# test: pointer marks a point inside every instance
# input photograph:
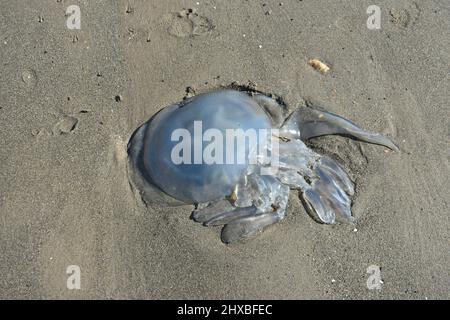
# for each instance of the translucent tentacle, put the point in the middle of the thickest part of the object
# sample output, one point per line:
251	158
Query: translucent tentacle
246	227
306	123
227	217
211	211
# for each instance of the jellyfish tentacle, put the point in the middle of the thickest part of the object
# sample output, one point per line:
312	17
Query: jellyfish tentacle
247	227
211	211
270	198
273	108
325	185
317	208
328	196
338	174
335	199
305	123
230	216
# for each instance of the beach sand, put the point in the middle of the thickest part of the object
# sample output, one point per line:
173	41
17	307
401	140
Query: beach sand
70	100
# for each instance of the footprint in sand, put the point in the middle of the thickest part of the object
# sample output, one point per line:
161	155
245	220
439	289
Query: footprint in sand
405	17
188	23
66	125
29	78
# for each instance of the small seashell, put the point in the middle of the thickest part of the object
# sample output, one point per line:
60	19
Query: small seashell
319	65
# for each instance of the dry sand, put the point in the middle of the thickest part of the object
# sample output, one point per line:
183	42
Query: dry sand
64	192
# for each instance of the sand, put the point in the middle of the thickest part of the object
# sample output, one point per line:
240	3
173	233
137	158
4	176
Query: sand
70	99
